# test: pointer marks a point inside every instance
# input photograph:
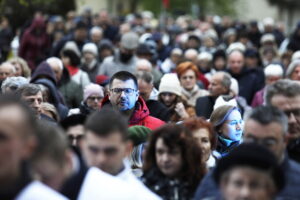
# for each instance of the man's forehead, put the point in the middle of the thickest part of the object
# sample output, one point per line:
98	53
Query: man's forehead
217	78
37	95
284	103
115	135
120	83
11	113
261	130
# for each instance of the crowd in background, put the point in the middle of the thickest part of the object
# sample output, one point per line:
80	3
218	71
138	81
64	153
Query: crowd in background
138	108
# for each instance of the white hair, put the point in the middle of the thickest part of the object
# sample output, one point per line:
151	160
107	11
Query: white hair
96	29
12	67
55	61
273	70
190	53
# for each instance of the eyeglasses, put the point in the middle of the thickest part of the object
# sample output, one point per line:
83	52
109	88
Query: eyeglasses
127	91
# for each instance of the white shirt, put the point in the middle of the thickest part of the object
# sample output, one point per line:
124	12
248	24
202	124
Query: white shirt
140	189
37	190
100	185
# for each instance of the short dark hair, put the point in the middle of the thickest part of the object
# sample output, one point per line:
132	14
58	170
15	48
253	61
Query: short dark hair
123	76
28	90
107	121
73	120
268	114
74	58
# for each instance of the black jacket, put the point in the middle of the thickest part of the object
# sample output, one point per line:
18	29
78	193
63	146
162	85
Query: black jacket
166	188
158	110
205	106
250	81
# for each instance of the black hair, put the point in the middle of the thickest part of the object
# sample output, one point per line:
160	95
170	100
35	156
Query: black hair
107	121
123	76
74	58
73	120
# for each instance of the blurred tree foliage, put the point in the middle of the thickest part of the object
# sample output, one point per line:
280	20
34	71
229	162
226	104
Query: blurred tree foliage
285	3
20	11
204	7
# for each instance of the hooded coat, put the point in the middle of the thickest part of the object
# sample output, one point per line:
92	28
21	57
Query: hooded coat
140	116
34	43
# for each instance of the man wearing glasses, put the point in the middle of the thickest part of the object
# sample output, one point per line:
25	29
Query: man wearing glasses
124	96
285	95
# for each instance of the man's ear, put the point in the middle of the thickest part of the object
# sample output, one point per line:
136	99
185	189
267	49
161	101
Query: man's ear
129	147
29	146
137	95
109	93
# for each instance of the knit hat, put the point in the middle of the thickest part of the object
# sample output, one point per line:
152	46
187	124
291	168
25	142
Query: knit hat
170	83
254	156
130	40
91	48
92	89
138	134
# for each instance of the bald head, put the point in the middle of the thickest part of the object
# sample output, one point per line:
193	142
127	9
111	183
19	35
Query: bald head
236	62
143	65
57	66
6	70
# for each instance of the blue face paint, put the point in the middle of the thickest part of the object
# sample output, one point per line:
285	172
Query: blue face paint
233	126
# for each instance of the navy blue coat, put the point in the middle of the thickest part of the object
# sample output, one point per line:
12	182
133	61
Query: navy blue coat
209	189
250	81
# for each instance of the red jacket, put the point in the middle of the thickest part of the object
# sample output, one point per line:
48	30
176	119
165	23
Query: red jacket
141	115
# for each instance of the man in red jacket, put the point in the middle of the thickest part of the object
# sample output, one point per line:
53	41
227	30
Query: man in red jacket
124	96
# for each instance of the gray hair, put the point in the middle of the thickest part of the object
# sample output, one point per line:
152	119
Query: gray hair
28	90
269	114
145	76
284	87
13	83
291	68
226	81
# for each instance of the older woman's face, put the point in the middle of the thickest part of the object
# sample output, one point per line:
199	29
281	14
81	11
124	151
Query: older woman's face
296	74
188	79
169	161
202	137
233	127
19	70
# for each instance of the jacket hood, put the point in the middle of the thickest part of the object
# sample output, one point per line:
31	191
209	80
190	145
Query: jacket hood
54	97
43	71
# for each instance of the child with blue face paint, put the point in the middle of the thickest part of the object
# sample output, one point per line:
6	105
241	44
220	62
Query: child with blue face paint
229	125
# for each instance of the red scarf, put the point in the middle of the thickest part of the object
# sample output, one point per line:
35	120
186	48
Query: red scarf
72	70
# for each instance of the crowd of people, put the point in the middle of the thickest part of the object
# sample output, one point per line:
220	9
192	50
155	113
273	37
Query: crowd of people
98	107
